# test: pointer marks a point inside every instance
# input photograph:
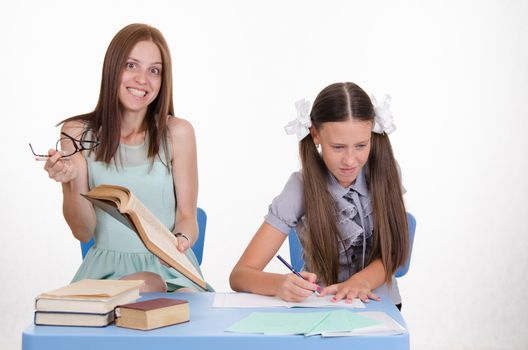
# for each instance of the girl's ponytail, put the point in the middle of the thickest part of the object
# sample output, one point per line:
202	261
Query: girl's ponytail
321	229
390	236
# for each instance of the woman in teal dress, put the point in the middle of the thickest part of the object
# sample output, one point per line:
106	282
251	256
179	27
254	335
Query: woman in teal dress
140	145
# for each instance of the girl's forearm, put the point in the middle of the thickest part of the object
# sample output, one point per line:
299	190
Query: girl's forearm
246	279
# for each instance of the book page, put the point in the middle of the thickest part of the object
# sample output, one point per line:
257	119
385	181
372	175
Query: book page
94	288
159	235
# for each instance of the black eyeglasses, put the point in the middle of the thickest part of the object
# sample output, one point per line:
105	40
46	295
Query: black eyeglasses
69	146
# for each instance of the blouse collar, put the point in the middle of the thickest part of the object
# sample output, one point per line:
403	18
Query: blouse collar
359	185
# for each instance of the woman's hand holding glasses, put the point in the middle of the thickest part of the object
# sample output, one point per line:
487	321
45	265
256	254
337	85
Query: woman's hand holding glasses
60	168
59	164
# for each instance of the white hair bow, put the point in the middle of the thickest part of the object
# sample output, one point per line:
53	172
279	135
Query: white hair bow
300	125
383	121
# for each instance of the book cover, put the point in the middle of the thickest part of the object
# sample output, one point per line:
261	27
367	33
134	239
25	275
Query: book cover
89	296
151	314
49	318
120	203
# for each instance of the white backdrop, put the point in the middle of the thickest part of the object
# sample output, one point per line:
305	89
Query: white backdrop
458	75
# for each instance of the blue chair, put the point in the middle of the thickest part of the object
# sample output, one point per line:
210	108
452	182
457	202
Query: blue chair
197	247
296	249
411	222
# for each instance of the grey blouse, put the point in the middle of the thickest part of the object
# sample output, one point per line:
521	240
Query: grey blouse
354	219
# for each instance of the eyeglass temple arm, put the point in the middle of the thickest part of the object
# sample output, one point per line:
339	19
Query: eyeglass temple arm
35	154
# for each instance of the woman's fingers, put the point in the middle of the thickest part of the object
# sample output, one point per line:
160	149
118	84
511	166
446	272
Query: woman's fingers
54	156
58	169
183	244
164	263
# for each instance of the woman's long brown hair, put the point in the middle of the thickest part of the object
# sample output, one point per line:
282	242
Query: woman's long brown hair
105	120
341	102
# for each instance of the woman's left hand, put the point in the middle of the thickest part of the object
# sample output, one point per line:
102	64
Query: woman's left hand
350	289
182	243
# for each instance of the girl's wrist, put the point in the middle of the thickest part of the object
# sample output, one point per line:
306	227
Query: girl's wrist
363	282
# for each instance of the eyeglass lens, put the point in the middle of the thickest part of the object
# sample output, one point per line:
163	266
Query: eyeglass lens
70	146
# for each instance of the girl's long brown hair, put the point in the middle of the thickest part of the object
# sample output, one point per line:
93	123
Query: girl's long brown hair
341	102
105	120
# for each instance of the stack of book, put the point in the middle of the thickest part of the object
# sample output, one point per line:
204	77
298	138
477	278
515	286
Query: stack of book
87	302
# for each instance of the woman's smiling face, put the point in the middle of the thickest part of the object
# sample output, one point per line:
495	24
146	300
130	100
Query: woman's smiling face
141	77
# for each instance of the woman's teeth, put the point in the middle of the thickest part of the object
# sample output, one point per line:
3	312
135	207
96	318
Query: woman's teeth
136	92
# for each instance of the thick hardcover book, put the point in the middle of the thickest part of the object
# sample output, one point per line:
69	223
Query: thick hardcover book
120	203
151	314
47	318
89	296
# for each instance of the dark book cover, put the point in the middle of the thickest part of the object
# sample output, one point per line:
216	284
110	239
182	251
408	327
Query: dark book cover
153	304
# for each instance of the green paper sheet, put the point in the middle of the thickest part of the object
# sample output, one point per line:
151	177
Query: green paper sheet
307	323
342	321
336	321
278	322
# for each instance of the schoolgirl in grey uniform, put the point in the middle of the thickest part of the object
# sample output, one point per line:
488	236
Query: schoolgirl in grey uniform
346	204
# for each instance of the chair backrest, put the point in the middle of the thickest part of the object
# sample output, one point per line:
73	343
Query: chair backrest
296	249
411	222
199	244
197	247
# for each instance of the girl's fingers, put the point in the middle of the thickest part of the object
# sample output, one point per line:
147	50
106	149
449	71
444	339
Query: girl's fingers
310	277
362	295
341	294
329	290
301	284
374	296
295	288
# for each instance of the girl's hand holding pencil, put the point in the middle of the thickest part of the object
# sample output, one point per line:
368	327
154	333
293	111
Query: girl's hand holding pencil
296	286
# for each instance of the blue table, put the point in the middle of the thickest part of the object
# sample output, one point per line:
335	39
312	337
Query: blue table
205	331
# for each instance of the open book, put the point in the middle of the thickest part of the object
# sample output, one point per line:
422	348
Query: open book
120	203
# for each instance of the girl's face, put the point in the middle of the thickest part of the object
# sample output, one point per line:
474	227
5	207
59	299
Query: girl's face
345	147
141	77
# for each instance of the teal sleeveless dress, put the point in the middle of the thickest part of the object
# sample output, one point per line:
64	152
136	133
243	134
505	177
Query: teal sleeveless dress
117	250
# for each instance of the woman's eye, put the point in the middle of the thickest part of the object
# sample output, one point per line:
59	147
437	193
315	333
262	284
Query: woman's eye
155	71
130	65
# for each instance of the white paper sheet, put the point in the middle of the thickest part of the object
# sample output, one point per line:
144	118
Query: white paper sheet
248	300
